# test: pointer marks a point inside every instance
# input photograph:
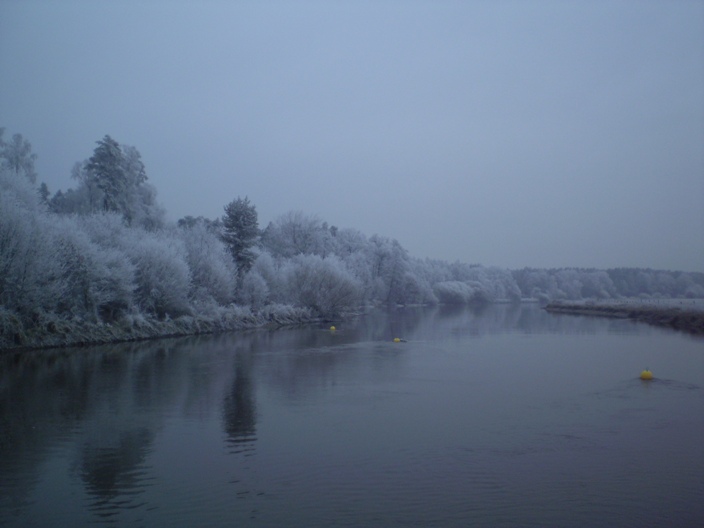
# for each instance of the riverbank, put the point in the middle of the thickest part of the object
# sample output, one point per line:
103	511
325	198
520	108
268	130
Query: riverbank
51	331
687	317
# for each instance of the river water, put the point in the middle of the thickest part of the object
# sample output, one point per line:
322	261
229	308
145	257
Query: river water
501	416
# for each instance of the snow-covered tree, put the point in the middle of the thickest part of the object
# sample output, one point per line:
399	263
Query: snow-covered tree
29	270
139	206
106	169
295	233
112	180
324	285
212	270
98	282
347	242
453	292
240	232
389	264
17	156
254	291
162	276
270	269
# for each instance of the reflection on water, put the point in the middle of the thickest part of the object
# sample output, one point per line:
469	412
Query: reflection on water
114	475
486	415
239	408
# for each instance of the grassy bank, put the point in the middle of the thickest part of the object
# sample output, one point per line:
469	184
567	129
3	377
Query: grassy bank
52	331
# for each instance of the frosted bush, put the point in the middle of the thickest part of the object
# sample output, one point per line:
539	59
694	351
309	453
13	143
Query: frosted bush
108	230
324	285
481	292
29	272
211	268
358	265
254	291
161	274
296	233
20	190
349	242
270	270
452	292
81	268
112	274
388	264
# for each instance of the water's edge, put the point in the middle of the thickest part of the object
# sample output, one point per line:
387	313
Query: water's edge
686	320
57	333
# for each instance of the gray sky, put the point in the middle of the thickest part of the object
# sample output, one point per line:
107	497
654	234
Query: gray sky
504	133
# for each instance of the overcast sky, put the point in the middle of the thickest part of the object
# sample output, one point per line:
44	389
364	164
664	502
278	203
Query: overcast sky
527	133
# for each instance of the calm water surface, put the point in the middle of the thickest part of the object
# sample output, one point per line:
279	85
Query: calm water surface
506	416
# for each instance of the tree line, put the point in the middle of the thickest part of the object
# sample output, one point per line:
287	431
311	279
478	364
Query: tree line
103	252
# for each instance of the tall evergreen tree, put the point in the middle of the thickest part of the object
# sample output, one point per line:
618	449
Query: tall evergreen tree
106	169
240	232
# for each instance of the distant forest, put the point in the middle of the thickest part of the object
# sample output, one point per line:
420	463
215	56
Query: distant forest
100	262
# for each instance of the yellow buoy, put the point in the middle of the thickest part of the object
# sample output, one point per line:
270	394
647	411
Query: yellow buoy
646	375
332	328
397	340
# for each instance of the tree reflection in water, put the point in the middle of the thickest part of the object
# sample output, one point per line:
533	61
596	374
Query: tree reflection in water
239	407
115	475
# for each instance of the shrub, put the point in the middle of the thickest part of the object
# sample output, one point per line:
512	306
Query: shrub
324	285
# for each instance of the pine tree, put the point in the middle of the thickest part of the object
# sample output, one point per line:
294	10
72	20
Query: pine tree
240	233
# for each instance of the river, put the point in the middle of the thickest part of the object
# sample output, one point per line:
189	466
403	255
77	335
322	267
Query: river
499	416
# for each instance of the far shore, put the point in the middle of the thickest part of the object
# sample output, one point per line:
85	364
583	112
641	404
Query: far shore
686	315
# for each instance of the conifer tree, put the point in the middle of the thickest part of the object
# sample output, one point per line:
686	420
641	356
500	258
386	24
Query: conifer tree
240	232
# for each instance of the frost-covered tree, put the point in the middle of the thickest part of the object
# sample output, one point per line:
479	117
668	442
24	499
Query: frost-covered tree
324	285
53	265
139	206
596	285
212	270
577	283
270	270
29	270
106	169
114	274
390	265
569	285
73	201
189	221
162	275
44	193
254	291
86	198
240	232
112	180
453	292
159	273
432	270
98	281
536	284
17	156
358	265
492	284
348	242
295	233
